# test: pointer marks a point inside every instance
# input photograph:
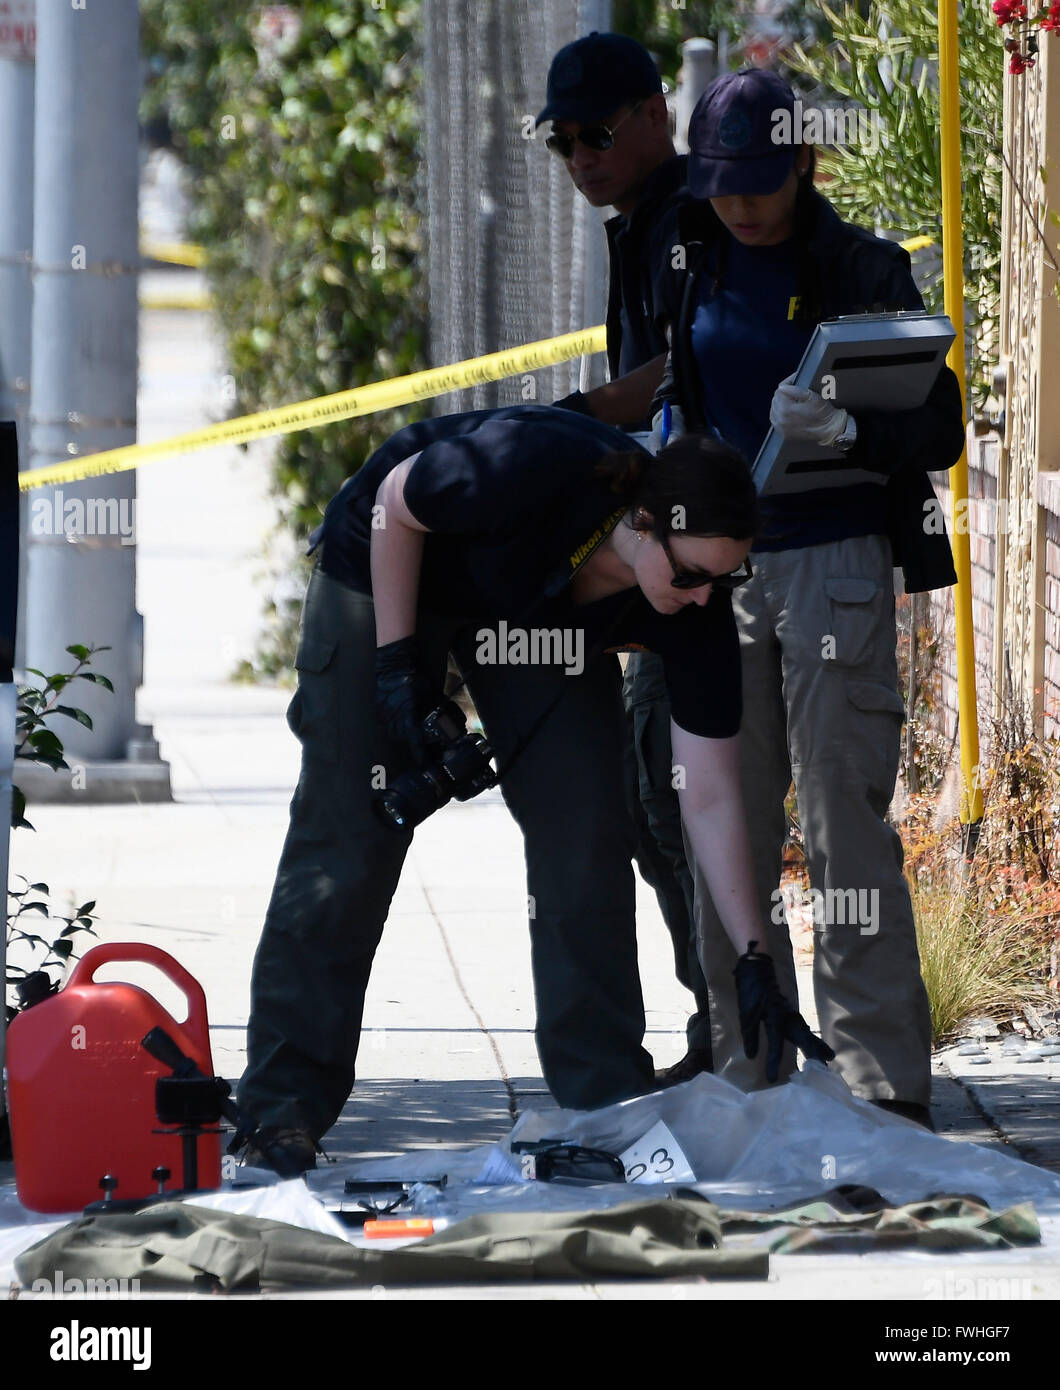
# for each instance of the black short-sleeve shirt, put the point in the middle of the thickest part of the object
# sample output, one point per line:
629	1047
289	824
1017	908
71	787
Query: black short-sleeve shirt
513	506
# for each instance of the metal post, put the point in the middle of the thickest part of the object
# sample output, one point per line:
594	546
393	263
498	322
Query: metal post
592	14
17	50
82	556
8	696
699	68
971	810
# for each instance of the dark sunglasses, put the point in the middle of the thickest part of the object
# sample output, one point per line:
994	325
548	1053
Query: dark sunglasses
695	579
593	137
556	1161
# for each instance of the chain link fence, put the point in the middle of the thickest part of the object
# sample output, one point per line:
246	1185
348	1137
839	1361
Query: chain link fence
514	253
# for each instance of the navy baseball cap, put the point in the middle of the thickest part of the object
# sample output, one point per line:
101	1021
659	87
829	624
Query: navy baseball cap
595	75
735	140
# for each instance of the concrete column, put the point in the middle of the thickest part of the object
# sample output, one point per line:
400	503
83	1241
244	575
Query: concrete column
17	49
8	608
82	555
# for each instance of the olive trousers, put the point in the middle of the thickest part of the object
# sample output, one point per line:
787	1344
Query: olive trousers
340	866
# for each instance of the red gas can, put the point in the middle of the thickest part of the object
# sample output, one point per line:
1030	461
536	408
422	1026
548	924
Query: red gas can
81	1089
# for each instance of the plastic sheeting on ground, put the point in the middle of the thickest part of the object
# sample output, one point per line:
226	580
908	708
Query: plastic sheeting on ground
765	1150
759	1150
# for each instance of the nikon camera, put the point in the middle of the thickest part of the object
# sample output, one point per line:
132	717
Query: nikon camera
459	767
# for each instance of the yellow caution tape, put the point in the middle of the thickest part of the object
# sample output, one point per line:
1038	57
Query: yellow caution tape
173	252
326	410
198	300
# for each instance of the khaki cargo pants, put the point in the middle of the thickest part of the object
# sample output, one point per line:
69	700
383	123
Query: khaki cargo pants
821	706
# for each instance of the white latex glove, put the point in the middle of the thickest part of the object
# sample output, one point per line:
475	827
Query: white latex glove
805	416
677	428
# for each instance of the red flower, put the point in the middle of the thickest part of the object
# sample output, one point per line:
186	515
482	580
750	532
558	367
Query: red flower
1008	11
1019	63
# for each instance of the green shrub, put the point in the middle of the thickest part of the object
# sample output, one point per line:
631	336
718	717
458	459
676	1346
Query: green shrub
885	58
303	170
974	960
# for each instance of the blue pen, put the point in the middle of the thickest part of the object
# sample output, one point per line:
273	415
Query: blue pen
664	428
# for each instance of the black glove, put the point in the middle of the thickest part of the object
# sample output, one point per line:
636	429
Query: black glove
760	1001
403	696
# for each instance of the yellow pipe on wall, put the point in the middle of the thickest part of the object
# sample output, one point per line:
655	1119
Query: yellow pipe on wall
953	276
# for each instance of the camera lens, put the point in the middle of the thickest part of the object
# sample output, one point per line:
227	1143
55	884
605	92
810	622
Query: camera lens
413	797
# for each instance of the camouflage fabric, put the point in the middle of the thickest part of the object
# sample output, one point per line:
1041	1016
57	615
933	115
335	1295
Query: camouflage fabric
175	1245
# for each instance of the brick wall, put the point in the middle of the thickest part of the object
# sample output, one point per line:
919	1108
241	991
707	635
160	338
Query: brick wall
983	519
1049	500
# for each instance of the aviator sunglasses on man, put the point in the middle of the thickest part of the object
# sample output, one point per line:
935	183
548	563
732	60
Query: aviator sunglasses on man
695	579
593	137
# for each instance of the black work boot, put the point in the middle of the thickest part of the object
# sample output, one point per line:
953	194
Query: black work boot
288	1152
695	1060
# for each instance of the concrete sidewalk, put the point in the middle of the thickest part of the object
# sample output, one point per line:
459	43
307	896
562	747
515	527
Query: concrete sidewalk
448	1056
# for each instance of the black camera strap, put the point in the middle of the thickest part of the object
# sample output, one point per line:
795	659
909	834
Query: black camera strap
598	648
554	585
559	580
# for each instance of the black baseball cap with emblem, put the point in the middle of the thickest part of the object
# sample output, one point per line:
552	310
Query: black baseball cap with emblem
736	142
592	77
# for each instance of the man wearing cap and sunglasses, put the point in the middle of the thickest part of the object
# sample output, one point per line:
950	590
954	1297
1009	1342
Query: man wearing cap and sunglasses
768	259
611	127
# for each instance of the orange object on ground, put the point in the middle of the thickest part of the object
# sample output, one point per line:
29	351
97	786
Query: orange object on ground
399	1230
81	1089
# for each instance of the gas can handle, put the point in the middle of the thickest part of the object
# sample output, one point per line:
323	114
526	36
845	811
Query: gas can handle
84	971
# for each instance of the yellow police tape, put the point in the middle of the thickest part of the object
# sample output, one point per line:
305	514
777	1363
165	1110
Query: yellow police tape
342	405
325	410
173	252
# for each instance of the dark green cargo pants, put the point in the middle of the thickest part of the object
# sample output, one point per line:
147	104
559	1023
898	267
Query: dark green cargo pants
340	866
657	816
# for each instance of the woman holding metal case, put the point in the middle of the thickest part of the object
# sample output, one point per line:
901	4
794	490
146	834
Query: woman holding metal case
457	534
768	258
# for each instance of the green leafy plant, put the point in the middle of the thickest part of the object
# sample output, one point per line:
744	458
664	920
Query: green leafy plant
37	703
662	28
35	742
31	986
299	127
884	58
